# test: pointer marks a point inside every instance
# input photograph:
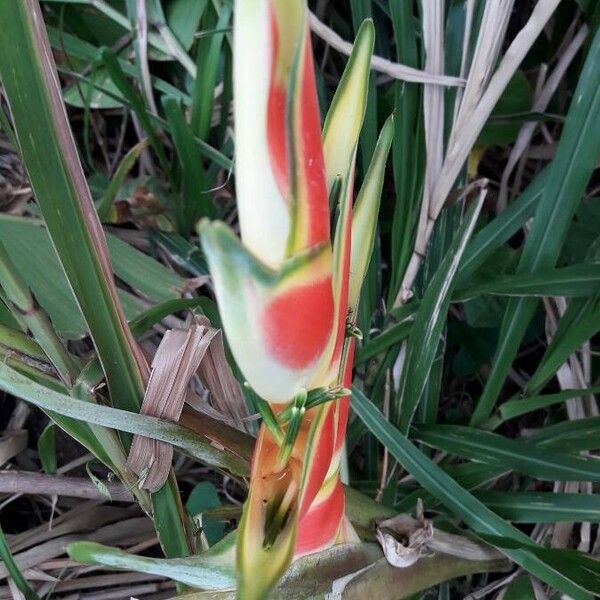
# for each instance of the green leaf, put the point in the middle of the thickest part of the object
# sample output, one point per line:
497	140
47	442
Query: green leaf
48	150
136	101
576	158
494	449
183	18
46	447
15	573
208	58
516	408
498	231
31	250
197	199
474	513
92	93
49	153
579	323
211	570
408	149
541	507
80	50
520	589
200	448
572	436
572	281
516	98
98	483
389	337
429	323
116	182
202	497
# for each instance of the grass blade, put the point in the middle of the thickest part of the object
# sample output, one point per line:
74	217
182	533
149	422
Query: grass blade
494	449
429	322
474	513
576	157
522	406
541	507
14	571
486	241
48	150
579	323
116	182
32	89
572	281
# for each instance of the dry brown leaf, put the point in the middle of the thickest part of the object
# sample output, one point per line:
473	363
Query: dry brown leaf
405	540
175	362
224	391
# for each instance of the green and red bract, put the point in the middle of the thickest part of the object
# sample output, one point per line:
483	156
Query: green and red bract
287	292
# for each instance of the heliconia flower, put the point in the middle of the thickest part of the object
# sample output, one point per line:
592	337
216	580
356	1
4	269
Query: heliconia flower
287	292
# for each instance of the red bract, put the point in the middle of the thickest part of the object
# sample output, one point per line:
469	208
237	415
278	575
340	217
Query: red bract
288	292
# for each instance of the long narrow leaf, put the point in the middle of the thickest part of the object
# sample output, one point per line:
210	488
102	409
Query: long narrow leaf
429	322
467	507
494	449
13	382
576	157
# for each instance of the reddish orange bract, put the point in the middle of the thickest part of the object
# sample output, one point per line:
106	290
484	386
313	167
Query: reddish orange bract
297	323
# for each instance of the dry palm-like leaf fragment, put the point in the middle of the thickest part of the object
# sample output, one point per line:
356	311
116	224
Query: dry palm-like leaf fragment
176	360
225	395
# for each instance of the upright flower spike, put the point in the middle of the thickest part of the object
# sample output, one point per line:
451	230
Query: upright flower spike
284	290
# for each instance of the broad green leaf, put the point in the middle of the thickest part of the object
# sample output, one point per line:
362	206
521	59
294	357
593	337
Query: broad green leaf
576	158
202	497
183	19
210	570
93	93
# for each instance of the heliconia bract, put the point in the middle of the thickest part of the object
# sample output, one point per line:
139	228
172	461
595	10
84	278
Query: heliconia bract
288	293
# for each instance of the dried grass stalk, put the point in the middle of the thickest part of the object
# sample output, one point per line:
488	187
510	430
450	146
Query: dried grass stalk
540	104
482	92
394	70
